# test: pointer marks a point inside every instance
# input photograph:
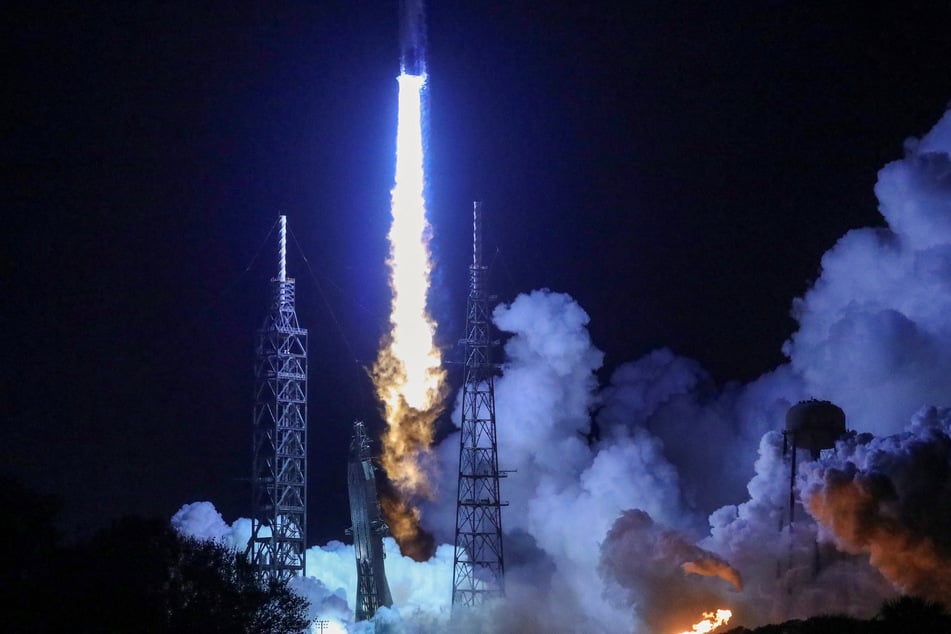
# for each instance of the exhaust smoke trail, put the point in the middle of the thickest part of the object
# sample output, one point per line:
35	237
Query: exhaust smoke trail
408	375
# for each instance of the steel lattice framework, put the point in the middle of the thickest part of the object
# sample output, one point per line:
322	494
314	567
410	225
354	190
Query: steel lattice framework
279	438
478	568
368	528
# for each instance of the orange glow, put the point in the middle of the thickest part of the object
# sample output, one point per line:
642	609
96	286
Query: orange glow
403	521
712	567
710	622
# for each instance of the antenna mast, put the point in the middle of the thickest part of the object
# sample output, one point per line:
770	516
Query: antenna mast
478	566
279	434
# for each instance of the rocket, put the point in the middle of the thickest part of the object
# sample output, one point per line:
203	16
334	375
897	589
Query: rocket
412	38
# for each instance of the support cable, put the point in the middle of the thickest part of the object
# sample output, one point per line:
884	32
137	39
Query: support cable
364	388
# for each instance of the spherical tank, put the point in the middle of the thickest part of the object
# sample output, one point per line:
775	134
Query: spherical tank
815	425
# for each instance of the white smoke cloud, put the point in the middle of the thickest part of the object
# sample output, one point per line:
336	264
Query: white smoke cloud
873	337
873	331
616	489
201	520
698	424
548	387
421	591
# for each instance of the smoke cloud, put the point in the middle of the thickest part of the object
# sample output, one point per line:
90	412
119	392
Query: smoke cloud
420	589
890	499
645	567
638	505
873	331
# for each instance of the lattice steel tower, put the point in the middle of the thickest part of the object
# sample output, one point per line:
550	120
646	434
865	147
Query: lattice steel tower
478	567
279	439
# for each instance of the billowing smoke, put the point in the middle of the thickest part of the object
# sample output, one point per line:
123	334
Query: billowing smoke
657	571
670	443
890	500
873	334
420	589
785	574
640	505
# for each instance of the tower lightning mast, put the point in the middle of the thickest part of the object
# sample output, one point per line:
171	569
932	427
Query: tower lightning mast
279	434
478	564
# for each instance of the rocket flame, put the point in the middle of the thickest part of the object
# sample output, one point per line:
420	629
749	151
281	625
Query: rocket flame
408	374
710	622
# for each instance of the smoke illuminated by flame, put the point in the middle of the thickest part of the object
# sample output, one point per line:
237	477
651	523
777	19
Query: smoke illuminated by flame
403	522
710	622
408	374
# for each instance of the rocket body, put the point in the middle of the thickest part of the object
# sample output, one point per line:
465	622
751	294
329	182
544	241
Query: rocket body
412	38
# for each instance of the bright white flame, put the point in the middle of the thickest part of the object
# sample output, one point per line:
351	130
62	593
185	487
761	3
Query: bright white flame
412	327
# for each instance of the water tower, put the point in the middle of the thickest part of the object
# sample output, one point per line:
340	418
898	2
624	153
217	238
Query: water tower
811	425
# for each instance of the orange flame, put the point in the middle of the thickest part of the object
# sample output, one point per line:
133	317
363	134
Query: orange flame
710	622
409	433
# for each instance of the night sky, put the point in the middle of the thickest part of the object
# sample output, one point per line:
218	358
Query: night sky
678	170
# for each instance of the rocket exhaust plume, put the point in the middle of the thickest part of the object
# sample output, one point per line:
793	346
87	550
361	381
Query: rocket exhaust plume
408	375
412	38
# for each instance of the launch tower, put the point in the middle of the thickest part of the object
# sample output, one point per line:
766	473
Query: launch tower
368	528
279	437
478	567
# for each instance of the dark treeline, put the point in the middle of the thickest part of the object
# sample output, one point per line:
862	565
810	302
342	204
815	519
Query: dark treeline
136	576
905	615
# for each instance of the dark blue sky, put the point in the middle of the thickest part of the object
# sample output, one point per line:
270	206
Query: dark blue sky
678	170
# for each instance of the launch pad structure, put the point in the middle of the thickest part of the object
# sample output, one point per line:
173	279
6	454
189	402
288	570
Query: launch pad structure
478	566
368	527
279	435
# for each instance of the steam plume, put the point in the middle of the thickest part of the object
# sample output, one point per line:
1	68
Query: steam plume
873	331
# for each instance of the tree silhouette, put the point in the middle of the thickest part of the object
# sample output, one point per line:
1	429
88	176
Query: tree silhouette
142	576
28	551
914	614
